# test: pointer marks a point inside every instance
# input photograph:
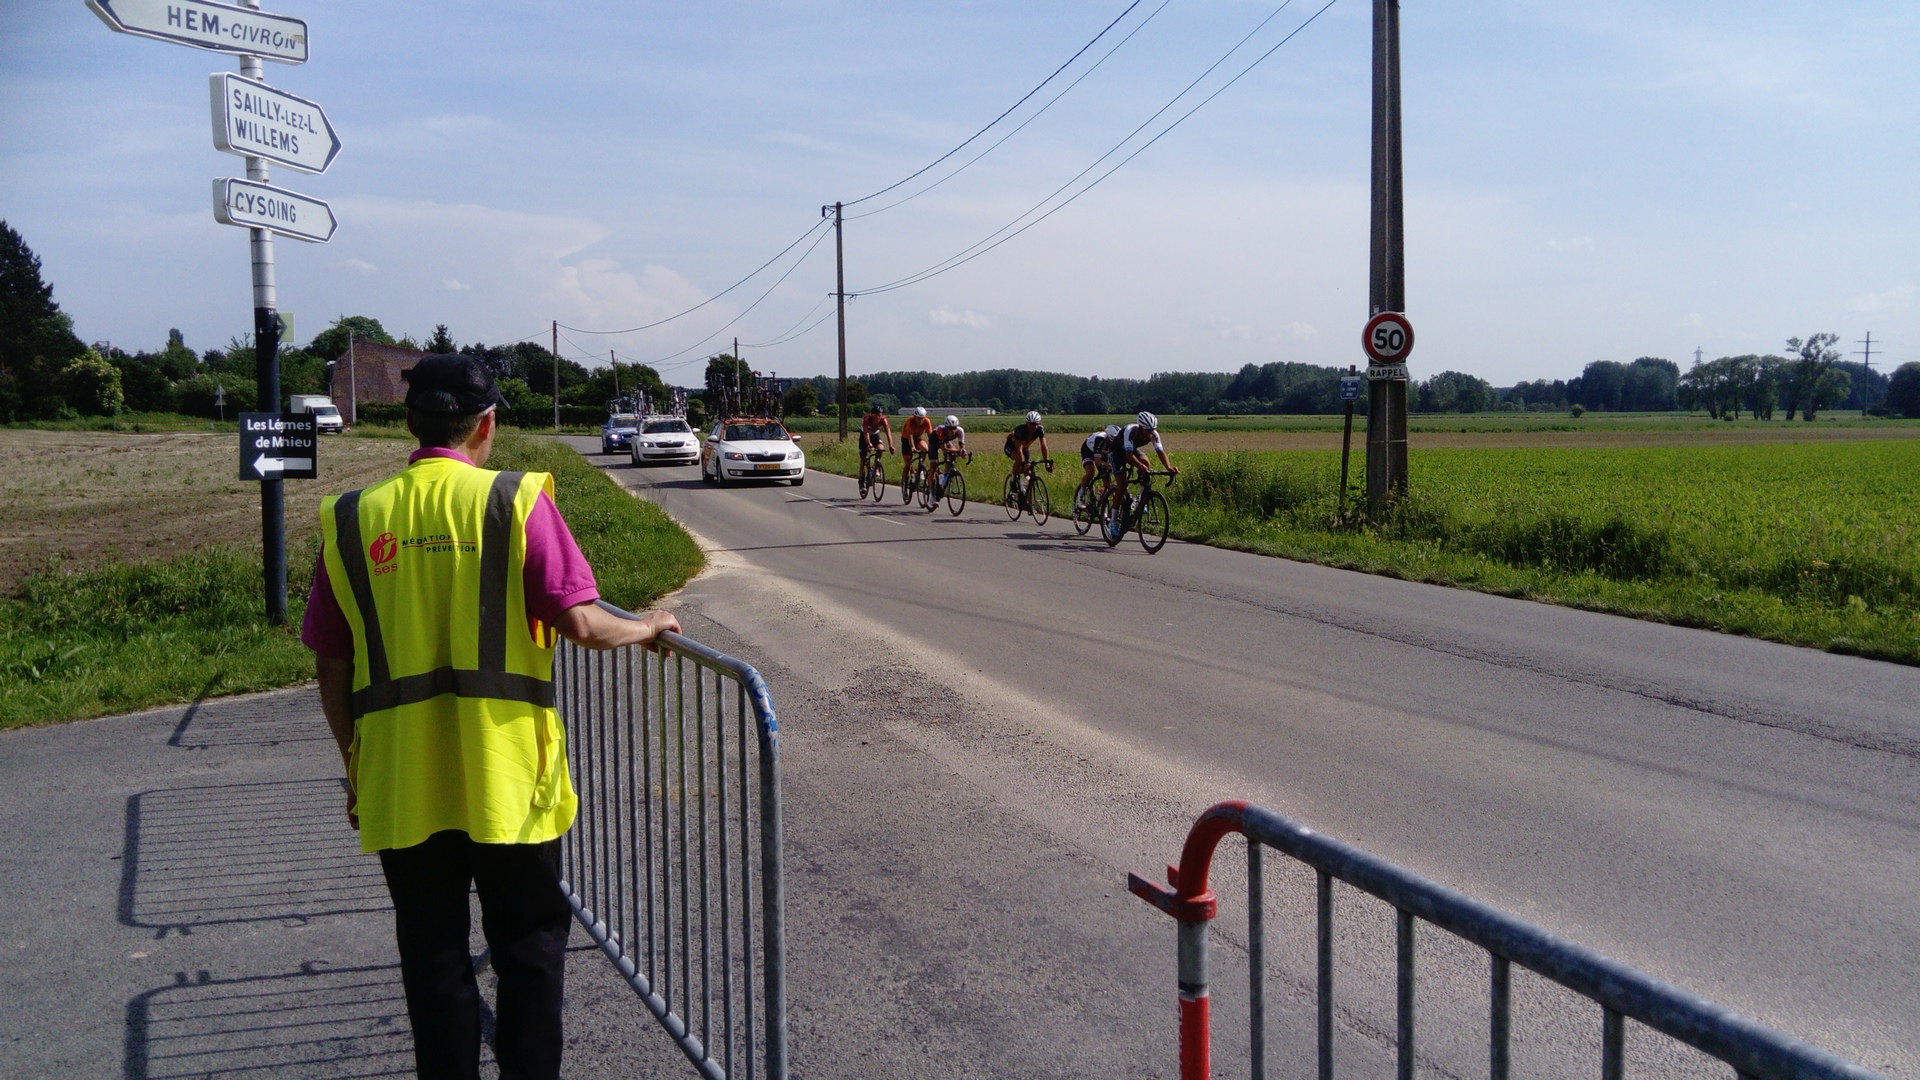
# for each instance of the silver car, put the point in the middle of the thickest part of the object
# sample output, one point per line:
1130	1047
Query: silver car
664	440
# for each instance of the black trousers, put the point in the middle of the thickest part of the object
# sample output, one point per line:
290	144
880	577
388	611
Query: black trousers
526	920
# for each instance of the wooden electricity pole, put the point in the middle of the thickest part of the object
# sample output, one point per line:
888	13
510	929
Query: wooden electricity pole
840	298
1387	276
556	375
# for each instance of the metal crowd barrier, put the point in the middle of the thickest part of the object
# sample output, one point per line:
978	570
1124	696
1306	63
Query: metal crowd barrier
674	861
1622	993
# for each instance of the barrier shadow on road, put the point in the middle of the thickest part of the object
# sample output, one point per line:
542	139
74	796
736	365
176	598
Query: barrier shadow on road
314	1022
243	853
244	723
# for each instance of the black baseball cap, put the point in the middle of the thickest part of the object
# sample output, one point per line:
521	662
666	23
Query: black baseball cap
449	384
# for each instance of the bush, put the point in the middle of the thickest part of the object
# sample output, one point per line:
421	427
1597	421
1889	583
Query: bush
91	386
1577	411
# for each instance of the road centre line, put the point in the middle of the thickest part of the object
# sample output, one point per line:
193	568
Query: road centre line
851	510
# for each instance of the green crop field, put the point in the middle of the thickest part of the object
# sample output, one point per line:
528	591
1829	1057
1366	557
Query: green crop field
1813	543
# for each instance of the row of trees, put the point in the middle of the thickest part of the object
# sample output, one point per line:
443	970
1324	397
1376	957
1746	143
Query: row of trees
46	372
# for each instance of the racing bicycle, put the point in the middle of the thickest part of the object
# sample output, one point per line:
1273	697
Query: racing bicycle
1030	497
1088	499
1146	512
949	483
913	474
873	478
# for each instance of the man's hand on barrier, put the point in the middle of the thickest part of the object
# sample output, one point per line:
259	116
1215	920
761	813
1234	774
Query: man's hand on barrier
597	628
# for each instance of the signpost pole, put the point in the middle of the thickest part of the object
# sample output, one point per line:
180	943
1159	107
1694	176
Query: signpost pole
556	376
1346	446
266	351
353	392
1387	279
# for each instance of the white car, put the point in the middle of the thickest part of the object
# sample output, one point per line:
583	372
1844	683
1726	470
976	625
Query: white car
664	440
751	448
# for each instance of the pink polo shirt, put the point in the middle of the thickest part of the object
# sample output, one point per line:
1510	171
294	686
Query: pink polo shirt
557	576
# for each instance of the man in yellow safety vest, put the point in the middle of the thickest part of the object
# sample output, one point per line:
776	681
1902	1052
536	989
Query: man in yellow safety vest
433	618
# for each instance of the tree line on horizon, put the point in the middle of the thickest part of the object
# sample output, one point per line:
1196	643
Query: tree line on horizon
46	373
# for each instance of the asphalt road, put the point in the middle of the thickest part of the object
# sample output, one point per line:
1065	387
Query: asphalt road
1734	816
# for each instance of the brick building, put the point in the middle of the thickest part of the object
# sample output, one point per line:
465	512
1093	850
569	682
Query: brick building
376	373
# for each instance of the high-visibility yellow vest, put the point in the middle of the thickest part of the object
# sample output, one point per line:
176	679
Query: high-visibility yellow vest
453	699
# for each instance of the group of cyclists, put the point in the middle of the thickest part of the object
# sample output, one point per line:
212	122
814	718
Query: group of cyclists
1109	453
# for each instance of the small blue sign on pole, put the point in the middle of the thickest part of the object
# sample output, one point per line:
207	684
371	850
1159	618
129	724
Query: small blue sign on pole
1350	387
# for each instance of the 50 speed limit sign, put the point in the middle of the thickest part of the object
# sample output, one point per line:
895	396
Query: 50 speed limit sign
1388	338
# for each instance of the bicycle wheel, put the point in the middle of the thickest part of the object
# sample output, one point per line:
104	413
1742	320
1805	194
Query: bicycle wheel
1084	507
1037	502
866	478
956	493
1156	518
907	479
879	482
1113	523
1010	498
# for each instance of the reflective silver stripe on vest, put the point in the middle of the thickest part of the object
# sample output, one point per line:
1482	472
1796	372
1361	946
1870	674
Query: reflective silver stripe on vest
496	544
353	555
491	679
412	689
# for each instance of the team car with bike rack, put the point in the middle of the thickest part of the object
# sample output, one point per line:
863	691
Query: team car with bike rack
664	440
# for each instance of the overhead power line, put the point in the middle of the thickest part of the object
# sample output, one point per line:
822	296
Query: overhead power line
1037	113
1023	100
1015	228
749	308
788	334
662	322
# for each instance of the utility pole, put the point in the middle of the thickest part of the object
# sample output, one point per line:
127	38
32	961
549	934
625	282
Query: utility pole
1697	351
840	298
1867	354
556	376
266	360
614	366
1387	278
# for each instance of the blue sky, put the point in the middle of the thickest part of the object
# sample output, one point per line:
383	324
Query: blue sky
1596	181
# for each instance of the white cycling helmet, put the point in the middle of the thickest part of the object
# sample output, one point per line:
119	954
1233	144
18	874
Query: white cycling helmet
1148	420
953	421
1112	432
1033	417
920	410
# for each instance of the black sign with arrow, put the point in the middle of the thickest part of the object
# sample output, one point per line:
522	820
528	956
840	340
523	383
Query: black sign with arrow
274	446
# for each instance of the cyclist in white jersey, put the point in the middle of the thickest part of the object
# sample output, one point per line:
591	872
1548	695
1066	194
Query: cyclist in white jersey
1130	448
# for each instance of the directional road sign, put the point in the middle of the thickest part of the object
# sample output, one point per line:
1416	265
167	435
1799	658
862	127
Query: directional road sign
205	25
277	447
256	120
260	206
1388	338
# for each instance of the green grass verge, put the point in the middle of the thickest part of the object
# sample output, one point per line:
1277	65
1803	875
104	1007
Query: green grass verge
125	637
1814	544
637	552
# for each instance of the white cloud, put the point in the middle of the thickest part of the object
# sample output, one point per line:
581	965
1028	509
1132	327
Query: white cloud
1577	243
1299	331
358	266
456	285
946	316
1898	298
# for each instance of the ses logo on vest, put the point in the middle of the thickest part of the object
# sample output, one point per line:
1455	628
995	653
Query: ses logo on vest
382	551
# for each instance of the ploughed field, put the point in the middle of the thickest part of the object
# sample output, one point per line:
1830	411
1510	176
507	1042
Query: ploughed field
1802	533
130	568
